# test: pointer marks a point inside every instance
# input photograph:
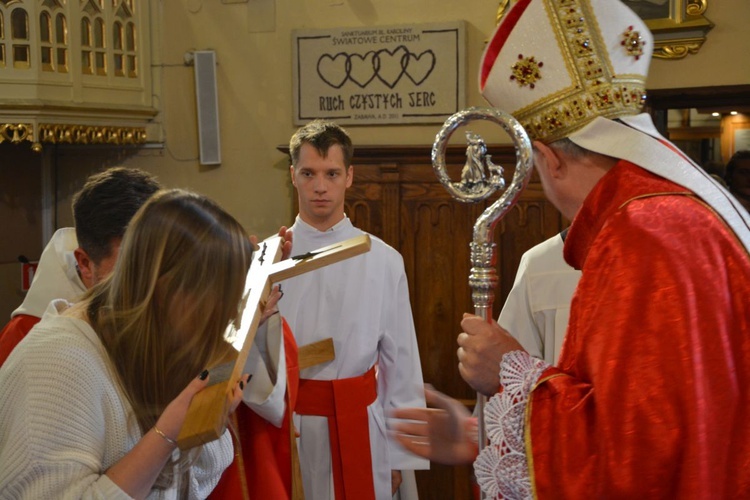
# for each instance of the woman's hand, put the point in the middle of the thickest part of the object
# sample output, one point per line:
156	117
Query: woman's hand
136	472
171	420
271	306
173	417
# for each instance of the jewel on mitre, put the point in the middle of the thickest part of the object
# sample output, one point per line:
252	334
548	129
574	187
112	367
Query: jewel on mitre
633	43
526	71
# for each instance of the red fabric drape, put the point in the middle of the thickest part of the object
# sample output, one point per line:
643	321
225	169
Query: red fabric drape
651	400
262	468
14	332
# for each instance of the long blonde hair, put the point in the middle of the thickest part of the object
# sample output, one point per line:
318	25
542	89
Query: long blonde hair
163	312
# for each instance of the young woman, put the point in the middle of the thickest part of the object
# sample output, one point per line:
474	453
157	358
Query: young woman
92	401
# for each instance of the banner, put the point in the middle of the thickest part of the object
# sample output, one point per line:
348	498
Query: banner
379	75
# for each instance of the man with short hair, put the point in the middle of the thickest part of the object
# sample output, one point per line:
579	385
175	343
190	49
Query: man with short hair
76	259
648	398
363	303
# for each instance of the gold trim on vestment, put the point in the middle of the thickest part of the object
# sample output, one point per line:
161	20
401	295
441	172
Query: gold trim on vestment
596	90
651	195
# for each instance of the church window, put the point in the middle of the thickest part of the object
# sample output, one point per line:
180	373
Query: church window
2	40
61	43
87	63
19	33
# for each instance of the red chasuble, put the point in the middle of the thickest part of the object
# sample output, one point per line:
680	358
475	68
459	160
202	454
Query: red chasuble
650	398
262	468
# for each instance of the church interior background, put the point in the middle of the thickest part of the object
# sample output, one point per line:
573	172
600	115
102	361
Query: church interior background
88	84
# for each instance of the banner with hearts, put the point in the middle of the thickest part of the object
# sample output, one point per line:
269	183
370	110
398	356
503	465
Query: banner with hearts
379	75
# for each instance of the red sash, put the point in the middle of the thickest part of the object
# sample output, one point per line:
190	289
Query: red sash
345	403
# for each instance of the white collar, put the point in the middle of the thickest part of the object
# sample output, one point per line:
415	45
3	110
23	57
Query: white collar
340	225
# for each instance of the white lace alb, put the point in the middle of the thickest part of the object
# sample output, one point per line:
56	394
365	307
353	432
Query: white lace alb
501	468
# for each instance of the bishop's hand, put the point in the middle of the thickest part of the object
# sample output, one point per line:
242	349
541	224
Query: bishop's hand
481	347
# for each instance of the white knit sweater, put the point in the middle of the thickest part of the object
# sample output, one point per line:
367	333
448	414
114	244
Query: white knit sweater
64	422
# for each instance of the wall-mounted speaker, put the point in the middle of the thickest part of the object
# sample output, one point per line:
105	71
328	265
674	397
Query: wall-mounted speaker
207	101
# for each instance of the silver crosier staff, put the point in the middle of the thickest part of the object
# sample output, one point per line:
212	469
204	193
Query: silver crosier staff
480	178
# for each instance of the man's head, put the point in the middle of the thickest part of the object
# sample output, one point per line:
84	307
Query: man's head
102	210
321	170
178	282
738	175
568	173
559	65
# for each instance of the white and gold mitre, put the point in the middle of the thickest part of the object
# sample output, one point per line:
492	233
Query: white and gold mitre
555	65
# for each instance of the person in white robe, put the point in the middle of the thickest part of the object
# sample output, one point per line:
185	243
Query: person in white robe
538	306
59	278
362	303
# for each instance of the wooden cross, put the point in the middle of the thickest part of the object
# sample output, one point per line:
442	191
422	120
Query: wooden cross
207	415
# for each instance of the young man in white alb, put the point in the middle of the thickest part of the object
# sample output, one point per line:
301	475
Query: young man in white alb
363	304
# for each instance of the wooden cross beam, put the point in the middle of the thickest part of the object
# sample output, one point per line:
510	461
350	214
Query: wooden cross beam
207	416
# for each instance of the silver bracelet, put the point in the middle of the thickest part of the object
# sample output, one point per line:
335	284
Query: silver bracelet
166	438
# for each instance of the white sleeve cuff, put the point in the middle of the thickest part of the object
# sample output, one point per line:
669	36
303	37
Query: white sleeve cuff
267	364
501	468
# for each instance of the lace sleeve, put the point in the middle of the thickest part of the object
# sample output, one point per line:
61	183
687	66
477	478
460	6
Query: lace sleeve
501	468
